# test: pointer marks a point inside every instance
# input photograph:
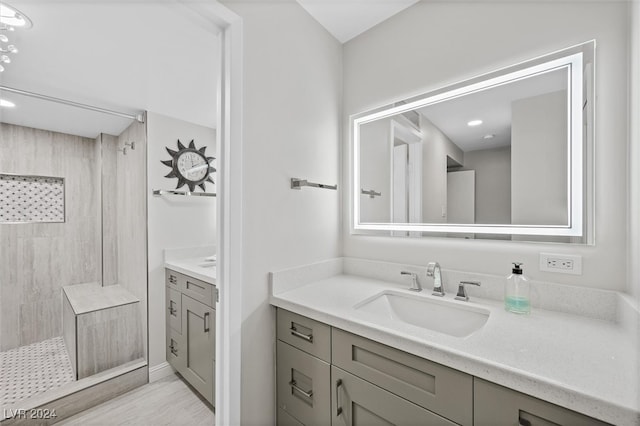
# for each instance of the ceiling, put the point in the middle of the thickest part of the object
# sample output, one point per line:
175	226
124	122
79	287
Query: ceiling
346	19
493	107
123	56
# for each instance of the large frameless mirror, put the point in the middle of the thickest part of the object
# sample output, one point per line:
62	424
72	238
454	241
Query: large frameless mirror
503	155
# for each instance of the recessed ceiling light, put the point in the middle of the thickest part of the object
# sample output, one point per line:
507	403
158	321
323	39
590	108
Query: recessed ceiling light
474	123
489	136
7	104
12	17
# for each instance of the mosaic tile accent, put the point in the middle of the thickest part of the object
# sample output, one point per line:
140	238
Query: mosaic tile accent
34	369
31	199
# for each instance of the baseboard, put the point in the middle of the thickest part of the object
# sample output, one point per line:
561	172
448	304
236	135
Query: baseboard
160	371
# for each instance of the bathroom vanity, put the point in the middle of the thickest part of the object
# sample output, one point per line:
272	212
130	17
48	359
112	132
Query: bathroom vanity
329	376
190	304
339	363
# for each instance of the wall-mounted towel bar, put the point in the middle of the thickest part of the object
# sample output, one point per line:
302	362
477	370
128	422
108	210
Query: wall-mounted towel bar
371	193
161	192
299	183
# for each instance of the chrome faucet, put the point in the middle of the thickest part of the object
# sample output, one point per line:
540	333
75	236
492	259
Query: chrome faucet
415	285
433	270
462	290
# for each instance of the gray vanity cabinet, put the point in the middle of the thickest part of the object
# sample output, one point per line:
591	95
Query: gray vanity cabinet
357	402
191	331
496	405
329	376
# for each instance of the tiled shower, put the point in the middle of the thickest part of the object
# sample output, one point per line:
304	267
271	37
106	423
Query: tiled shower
72	258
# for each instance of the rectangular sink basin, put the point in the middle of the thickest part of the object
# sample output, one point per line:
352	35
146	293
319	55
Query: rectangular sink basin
442	316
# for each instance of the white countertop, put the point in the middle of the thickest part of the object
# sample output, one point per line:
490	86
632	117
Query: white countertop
585	364
194	268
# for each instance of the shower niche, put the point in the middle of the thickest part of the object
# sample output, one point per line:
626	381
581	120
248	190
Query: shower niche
73	292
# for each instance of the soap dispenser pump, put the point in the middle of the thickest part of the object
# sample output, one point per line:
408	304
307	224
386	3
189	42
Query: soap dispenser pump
517	292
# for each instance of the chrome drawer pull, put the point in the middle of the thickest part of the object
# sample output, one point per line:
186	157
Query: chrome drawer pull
206	322
172	279
295	387
307	337
173	349
171	310
339	409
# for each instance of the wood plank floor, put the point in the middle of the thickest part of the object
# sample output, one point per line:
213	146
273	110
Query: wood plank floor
169	401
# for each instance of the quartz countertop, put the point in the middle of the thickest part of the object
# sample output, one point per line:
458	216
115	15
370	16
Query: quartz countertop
196	267
585	364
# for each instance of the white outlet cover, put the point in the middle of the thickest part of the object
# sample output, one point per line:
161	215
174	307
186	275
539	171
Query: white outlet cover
576	259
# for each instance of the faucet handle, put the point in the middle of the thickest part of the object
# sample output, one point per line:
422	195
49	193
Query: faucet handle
415	285
462	291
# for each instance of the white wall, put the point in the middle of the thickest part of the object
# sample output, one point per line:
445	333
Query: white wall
432	44
174	222
437	146
493	183
291	128
634	152
539	160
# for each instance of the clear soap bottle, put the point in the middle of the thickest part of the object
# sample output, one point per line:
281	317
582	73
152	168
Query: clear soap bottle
517	291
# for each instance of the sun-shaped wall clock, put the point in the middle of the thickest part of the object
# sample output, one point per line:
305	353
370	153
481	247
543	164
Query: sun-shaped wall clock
190	165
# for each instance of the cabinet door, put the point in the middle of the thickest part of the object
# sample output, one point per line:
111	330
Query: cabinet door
357	402
198	333
495	405
302	385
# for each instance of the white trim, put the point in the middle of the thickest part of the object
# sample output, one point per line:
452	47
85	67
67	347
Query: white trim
160	371
229	211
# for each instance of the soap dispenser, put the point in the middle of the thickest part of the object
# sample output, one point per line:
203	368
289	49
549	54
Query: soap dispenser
517	292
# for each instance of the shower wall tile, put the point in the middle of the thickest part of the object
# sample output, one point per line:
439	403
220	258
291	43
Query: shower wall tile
40	320
110	209
38	259
10	300
107	338
132	217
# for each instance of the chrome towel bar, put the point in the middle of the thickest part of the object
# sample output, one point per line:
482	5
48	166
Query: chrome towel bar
299	183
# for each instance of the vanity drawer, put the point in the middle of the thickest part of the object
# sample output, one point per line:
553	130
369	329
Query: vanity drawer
199	290
174	309
172	279
496	405
304	333
440	389
303	385
176	350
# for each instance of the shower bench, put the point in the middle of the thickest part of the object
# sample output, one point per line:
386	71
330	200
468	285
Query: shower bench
102	327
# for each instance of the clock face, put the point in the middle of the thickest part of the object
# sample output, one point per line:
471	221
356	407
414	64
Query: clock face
190	165
193	166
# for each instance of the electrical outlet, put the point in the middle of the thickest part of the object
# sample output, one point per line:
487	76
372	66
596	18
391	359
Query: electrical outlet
561	263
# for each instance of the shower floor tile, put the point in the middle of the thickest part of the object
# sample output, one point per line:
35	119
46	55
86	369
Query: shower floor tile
33	369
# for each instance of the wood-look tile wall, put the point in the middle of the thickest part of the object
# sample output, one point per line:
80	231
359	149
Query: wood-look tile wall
38	259
110	154
132	218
